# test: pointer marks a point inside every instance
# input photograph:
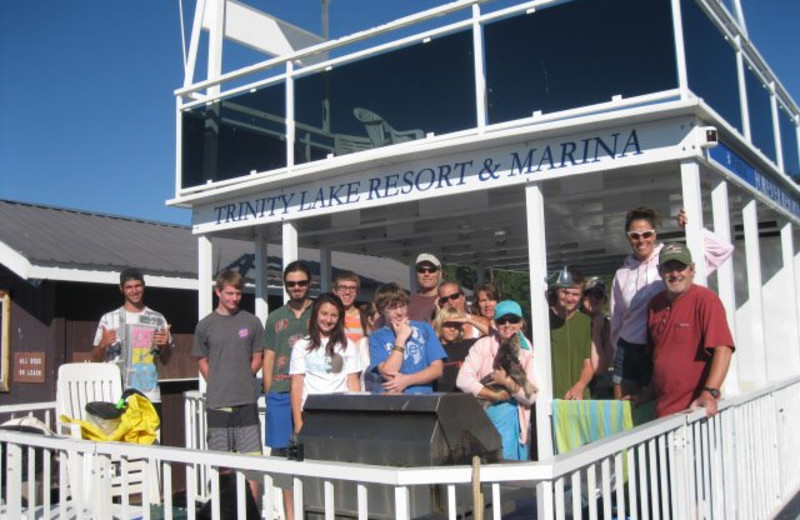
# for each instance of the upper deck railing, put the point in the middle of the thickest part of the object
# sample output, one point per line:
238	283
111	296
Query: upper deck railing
463	69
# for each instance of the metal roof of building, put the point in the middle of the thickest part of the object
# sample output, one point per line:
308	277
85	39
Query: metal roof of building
48	242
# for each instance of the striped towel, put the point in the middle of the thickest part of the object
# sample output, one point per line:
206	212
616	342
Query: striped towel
576	423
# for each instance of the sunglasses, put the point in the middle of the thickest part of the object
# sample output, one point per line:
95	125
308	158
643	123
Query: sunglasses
426	269
453	297
638	235
505	320
453	324
299	283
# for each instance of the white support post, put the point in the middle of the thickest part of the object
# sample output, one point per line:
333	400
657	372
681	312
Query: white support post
741	77
325	267
216	37
537	262
796	260
725	278
178	146
402	503
680	50
289	247
480	68
797	133
262	283
776	126
756	313
693	204
205	287
739	13
194	42
791	295
290	123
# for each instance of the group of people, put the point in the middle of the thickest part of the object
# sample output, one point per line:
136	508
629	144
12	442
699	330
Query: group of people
666	337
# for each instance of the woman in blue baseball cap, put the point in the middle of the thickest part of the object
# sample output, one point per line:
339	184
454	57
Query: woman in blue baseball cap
499	371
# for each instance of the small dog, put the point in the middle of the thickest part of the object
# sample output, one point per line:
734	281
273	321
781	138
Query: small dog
507	358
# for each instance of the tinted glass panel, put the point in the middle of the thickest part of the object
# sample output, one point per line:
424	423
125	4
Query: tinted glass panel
711	64
791	162
390	98
234	137
760	109
577	54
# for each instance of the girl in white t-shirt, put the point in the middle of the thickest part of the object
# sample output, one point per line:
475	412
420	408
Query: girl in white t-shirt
325	361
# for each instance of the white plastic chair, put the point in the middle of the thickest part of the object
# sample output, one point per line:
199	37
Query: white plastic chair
82	383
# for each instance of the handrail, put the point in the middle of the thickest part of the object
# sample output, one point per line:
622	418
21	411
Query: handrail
27	407
701	458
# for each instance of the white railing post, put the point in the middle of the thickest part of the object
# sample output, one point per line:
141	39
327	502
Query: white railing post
402	505
13	479
544	500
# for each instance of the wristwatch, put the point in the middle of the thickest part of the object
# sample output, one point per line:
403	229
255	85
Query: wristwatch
715	393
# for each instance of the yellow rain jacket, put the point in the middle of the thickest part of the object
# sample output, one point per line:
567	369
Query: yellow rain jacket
138	424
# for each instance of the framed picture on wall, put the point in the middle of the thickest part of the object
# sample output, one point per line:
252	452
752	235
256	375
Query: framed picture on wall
5	339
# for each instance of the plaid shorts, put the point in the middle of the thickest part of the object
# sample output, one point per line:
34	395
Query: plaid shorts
234	428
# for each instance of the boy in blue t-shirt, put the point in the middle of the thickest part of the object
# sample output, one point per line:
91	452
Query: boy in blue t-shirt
406	354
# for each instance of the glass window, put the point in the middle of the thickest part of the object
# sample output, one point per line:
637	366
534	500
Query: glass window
791	161
711	64
234	137
576	54
759	106
385	99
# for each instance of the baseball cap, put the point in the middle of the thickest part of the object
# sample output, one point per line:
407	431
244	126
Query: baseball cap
506	307
675	251
427	257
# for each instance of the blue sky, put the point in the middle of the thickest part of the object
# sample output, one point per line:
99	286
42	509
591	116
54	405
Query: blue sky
86	106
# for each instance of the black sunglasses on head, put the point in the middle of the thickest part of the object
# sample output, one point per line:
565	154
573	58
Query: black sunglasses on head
427	269
299	283
513	320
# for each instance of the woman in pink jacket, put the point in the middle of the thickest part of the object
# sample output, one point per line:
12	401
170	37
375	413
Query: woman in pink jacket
635	283
508	395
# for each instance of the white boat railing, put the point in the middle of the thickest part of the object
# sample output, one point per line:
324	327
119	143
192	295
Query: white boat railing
743	463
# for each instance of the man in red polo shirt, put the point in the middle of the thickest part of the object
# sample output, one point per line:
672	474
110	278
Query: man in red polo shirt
689	337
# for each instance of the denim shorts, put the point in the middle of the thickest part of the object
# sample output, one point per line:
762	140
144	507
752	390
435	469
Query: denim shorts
633	365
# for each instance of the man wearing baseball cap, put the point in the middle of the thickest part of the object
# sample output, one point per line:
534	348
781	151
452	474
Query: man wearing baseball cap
689	336
422	304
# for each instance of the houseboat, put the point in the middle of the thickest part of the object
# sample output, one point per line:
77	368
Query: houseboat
501	136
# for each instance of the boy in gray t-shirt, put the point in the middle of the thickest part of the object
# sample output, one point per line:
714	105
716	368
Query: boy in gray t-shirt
228	343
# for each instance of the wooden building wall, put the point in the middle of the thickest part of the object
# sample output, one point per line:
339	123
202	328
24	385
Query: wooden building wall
60	319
